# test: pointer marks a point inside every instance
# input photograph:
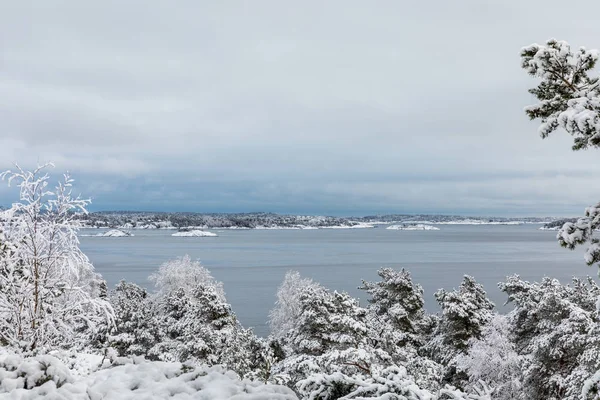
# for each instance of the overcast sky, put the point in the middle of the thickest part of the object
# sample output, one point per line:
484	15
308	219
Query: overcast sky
328	107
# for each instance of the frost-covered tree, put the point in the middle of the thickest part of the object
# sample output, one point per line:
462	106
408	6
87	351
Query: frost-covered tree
569	98
328	335
465	311
556	329
137	330
183	273
284	316
493	359
49	292
196	322
395	314
327	321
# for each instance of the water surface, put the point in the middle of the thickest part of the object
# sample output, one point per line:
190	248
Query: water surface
252	263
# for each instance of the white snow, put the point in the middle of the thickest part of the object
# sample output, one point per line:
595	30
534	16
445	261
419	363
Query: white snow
114	233
469	221
417	227
358	225
137	379
194	233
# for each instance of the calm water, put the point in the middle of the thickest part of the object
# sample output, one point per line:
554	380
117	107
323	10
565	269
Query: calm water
252	263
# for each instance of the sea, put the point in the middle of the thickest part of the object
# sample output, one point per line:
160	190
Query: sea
252	263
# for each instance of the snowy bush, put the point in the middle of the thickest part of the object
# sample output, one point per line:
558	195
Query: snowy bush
46	376
493	359
137	329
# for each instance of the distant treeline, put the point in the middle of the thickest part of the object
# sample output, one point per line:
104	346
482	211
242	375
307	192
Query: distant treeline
157	220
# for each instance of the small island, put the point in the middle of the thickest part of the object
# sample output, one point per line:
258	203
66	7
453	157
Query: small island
194	233
413	227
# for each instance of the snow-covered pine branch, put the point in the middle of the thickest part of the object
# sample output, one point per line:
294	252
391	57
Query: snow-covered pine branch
569	98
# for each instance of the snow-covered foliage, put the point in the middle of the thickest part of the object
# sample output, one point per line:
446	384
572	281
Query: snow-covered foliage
390	383
199	326
284	316
49	292
187	319
396	317
569	98
327	321
556	328
494	360
137	331
183	273
465	311
46	376
568	94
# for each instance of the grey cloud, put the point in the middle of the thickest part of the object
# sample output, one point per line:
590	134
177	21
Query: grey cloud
320	106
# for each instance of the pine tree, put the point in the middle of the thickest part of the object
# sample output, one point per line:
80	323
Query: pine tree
327	321
556	329
465	311
196	323
569	98
395	314
136	329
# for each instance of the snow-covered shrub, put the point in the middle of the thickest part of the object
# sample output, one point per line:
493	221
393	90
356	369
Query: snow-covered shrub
392	383
137	329
50	295
493	359
17	372
45	376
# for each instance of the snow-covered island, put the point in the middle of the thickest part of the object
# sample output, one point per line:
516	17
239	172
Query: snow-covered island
112	233
413	227
194	233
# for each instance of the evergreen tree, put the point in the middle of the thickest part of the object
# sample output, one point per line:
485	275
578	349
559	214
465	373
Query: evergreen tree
327	321
136	330
395	314
556	329
196	323
465	311
569	98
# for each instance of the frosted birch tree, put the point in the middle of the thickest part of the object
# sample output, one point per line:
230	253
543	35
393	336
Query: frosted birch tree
49	292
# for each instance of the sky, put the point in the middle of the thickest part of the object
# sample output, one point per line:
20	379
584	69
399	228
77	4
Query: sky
337	107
